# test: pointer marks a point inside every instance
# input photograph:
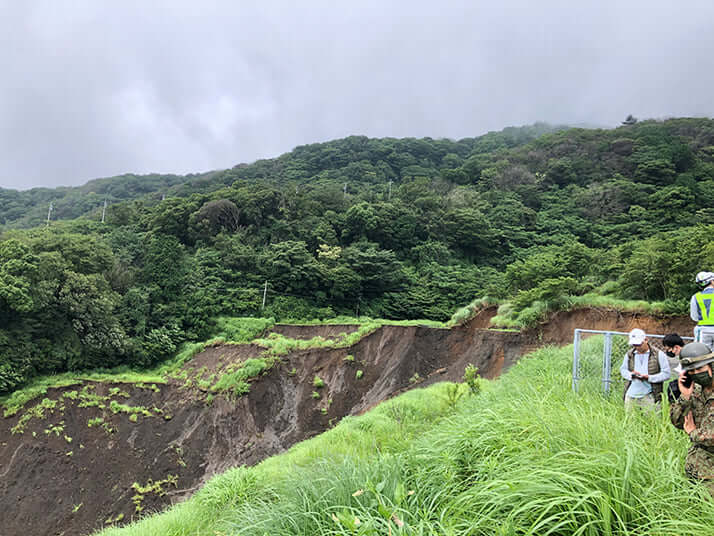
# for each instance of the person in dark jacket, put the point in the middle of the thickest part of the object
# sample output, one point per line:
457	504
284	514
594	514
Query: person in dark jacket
672	345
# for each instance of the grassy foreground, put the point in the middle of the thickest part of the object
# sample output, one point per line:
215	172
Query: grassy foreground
524	457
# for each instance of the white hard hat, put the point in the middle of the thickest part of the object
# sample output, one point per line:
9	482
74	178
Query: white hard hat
704	277
637	337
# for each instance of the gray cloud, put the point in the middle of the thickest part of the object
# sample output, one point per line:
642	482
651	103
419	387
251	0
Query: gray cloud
94	89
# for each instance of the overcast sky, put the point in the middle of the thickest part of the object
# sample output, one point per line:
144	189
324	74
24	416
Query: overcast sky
96	88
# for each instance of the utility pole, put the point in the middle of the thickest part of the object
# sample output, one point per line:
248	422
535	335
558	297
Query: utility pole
390	190
104	210
344	191
49	214
265	293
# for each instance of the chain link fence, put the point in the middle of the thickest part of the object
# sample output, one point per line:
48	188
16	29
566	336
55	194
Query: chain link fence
598	355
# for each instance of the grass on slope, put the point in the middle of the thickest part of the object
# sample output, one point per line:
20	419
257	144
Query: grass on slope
512	317
229	330
524	457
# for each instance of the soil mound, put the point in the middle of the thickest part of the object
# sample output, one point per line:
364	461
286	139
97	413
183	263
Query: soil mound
96	454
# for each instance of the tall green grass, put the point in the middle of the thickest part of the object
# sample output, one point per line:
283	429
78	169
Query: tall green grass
525	457
466	313
509	316
384	431
241	329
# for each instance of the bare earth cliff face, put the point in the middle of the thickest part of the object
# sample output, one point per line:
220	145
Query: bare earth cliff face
102	454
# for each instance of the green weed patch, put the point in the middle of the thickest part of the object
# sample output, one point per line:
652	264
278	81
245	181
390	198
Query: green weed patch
236	381
158	488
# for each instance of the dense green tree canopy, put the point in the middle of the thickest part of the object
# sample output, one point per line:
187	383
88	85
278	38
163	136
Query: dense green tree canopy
400	228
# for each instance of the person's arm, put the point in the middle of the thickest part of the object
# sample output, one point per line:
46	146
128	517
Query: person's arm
678	410
703	433
681	407
664	371
694	309
624	370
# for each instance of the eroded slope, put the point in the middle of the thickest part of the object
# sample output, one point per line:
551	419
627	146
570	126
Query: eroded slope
95	454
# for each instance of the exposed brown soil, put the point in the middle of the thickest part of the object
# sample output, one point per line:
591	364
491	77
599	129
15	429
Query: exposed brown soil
73	479
560	326
305	331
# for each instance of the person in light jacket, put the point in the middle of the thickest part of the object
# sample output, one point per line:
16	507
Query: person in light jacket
645	370
700	307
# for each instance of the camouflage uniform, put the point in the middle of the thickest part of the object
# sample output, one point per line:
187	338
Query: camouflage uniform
699	464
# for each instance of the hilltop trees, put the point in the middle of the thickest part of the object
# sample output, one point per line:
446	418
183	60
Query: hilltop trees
396	228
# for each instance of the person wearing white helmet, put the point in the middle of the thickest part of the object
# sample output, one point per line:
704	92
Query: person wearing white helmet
645	371
700	307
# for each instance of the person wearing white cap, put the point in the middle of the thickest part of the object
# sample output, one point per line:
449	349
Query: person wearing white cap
700	307
645	371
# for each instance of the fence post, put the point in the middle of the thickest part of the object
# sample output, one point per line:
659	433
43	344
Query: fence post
576	364
606	363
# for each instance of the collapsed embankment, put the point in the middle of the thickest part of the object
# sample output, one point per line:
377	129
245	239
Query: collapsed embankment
95	454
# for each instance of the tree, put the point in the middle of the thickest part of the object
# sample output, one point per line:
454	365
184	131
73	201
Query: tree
89	304
658	171
164	267
468	230
539	264
561	172
17	266
378	269
290	267
361	220
171	217
215	216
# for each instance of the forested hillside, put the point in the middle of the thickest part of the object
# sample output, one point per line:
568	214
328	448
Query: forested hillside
28	208
397	228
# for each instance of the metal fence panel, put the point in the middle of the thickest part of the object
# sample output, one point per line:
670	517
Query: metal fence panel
598	355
